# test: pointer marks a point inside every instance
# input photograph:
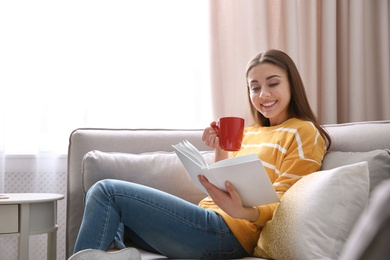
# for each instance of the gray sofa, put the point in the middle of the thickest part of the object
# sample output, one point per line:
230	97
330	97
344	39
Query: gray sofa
132	155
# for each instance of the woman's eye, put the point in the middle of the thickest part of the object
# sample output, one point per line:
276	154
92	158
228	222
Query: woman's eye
255	89
273	84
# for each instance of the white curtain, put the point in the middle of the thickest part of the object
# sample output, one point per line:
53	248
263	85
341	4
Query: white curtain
341	47
83	63
69	64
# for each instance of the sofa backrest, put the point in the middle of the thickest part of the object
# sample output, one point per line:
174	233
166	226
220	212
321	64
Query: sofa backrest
360	136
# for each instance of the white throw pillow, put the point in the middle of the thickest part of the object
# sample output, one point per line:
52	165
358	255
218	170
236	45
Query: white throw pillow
160	170
316	215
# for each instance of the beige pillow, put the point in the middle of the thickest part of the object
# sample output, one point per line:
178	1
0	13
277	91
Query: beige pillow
160	170
316	215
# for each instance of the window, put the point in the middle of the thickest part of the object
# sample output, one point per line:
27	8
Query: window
119	64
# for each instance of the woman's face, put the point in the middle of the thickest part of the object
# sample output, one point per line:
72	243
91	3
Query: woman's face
270	92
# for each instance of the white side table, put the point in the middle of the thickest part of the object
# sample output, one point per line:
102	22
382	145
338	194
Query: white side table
24	214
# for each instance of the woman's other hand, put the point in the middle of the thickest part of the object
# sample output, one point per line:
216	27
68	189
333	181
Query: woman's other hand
229	201
211	139
210	136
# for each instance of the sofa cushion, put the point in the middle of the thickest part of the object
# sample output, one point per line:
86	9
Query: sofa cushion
161	170
316	215
378	163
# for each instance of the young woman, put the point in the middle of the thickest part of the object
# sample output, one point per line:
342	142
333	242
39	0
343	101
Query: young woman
285	135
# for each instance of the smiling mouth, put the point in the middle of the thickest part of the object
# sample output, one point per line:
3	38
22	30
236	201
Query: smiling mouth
269	104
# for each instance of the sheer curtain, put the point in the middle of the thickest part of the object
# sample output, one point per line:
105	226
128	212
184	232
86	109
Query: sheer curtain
68	64
111	64
341	47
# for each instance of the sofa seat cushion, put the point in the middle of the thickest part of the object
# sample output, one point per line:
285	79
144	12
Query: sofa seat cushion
316	215
160	170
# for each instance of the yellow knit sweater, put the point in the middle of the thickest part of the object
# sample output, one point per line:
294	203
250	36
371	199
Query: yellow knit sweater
288	151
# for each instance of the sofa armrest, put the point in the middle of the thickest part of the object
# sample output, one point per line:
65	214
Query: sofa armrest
370	236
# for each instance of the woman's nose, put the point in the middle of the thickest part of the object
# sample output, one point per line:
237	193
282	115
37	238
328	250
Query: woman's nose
264	93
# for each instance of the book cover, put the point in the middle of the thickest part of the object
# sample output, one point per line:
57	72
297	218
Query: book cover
246	173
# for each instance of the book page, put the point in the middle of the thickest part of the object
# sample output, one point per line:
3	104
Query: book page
193	169
235	160
191	152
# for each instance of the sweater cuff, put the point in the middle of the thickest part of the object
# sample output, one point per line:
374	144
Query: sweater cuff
266	212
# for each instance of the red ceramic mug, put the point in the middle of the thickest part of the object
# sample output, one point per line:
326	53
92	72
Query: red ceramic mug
230	131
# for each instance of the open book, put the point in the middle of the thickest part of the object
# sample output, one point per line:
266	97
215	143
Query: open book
246	173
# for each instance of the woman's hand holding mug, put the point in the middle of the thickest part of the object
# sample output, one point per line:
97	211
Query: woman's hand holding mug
230	131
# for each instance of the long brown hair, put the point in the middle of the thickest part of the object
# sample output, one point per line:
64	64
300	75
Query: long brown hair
299	105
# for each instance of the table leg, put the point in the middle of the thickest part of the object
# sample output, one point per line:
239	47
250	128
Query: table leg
52	245
24	230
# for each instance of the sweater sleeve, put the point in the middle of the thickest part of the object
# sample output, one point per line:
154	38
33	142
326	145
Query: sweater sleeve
304	154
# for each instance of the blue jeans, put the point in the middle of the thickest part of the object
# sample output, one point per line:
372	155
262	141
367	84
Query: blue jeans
154	220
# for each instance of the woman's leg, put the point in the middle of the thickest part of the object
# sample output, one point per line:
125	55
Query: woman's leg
170	225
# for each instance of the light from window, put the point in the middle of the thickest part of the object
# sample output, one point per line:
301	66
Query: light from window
111	64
